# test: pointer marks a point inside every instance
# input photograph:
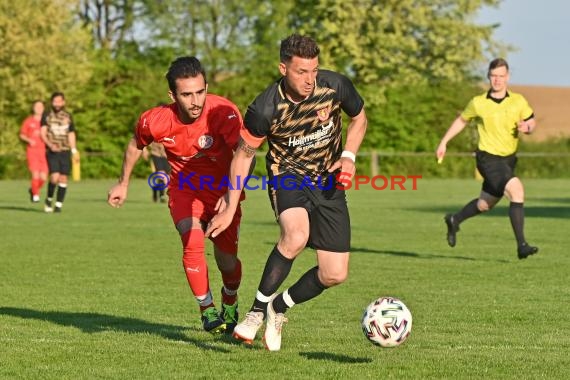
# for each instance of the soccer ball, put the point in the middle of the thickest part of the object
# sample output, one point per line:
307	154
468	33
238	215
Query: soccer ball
387	322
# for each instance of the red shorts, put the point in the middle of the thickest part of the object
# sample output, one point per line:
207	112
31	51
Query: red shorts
37	161
187	204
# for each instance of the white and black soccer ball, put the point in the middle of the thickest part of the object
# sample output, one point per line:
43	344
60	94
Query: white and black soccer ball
387	322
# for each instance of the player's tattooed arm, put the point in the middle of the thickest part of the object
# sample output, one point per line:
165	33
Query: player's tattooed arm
248	149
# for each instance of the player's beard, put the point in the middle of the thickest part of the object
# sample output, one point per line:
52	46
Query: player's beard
194	113
57	109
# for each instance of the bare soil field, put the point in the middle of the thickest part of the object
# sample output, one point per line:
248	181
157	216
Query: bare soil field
551	107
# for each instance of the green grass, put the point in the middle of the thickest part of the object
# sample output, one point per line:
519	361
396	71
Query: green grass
97	292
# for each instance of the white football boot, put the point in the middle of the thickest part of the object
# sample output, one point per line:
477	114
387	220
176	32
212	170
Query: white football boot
275	321
247	329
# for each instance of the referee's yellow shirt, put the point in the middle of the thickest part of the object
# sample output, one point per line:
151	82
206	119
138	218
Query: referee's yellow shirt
497	121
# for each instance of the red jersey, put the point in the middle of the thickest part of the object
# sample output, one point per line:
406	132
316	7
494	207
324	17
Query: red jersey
199	153
31	128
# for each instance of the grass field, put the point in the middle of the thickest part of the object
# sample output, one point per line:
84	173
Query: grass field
97	292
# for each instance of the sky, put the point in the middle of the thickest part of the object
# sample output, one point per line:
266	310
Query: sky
540	30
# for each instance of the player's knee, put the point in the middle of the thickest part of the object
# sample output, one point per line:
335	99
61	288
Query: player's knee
293	242
226	262
186	224
515	190
483	205
332	278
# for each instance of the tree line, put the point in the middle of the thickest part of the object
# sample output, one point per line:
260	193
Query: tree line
415	62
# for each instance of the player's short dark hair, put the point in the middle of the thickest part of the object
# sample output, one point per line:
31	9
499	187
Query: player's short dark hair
298	46
56	94
497	62
184	67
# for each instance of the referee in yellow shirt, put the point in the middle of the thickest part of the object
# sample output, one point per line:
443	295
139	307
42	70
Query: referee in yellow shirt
500	116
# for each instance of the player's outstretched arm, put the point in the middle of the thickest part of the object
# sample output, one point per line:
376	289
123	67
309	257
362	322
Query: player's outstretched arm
239	170
456	127
224	200
26	139
118	193
72	141
354	136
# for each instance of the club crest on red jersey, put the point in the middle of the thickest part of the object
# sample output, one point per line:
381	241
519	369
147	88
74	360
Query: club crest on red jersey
205	141
323	113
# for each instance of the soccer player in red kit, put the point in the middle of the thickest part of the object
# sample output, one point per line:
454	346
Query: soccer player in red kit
200	132
30	133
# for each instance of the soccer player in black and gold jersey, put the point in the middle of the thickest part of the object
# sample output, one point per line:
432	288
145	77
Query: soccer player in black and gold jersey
300	117
500	115
58	133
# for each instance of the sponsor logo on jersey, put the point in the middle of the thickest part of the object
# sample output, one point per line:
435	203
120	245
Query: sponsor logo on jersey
323	113
313	137
205	141
169	140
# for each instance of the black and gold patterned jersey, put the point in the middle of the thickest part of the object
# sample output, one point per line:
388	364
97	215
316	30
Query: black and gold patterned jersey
58	125
304	138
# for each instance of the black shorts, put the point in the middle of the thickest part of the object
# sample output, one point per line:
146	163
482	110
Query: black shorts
326	205
160	164
59	162
496	171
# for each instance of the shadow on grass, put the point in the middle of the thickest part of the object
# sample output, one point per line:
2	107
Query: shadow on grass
410	254
19	208
561	212
333	357
549	200
94	323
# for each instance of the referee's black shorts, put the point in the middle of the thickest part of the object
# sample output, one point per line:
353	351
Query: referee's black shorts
496	171
59	162
326	205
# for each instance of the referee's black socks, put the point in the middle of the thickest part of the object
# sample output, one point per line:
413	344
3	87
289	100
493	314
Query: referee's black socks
468	211
516	214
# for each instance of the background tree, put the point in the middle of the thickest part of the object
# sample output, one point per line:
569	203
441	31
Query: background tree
120	90
42	49
215	31
400	41
267	24
414	61
111	21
